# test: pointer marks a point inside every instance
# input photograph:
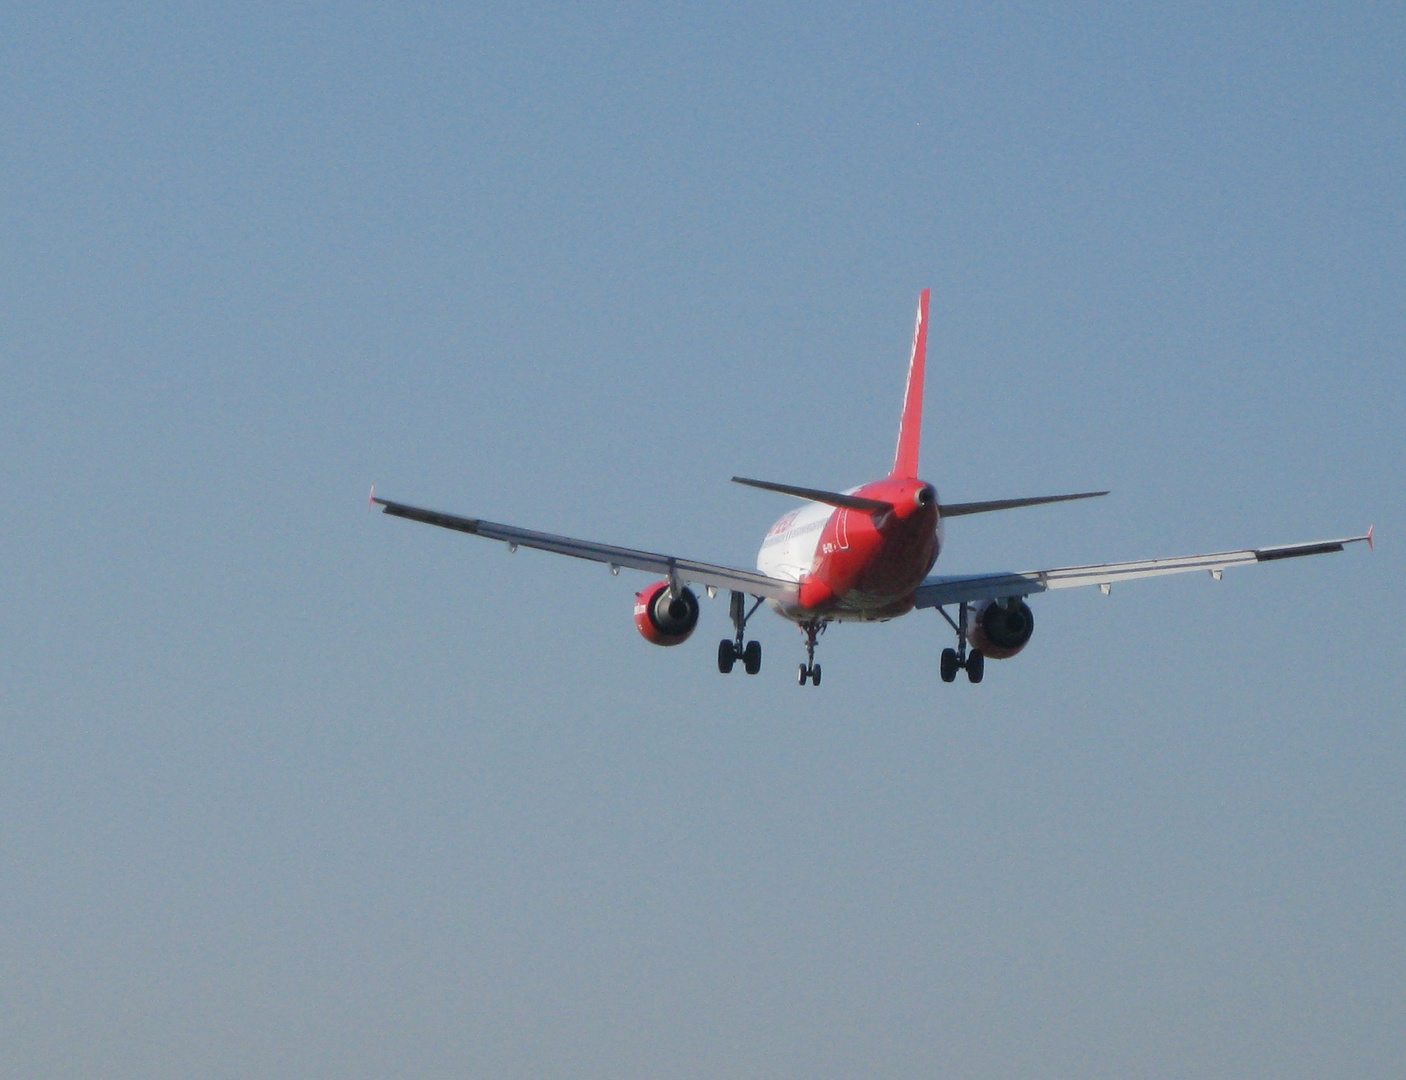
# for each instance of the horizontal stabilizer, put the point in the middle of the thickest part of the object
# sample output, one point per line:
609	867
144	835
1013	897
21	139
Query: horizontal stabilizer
958	509
830	498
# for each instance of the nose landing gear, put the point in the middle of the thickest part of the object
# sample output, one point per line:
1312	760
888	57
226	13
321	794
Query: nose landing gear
810	669
730	651
954	660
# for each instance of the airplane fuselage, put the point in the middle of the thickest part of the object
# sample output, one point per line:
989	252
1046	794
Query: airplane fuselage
855	564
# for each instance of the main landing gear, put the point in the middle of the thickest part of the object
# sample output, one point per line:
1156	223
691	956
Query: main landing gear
810	669
730	651
954	660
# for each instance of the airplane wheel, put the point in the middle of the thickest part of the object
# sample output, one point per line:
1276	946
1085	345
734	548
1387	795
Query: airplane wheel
949	665
726	655
752	657
801	679
815	675
976	665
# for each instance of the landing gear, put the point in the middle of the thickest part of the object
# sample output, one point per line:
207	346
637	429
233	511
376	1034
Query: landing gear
954	660
810	669
950	665
726	655
752	657
734	649
976	665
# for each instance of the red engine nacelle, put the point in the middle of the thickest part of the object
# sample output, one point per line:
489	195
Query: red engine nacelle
662	619
1000	631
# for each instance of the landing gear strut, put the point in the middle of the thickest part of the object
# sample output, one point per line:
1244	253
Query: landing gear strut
954	660
732	650
810	669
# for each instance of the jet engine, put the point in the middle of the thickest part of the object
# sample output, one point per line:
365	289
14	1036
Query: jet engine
665	620
1000	628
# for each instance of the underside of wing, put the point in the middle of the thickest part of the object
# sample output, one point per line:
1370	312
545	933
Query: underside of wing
685	571
937	591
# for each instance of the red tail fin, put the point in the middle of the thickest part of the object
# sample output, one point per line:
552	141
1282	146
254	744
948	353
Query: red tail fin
910	428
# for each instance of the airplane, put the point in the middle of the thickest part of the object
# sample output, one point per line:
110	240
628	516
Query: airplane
860	555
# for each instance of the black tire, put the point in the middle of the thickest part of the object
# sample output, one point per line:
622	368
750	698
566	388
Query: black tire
804	674
815	675
752	657
726	655
976	665
949	665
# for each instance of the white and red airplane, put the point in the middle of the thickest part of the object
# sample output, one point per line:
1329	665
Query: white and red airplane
861	555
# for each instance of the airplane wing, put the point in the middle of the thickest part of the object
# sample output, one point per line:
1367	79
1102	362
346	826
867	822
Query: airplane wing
684	571
936	591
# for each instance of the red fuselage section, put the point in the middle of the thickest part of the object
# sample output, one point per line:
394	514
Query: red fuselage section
866	564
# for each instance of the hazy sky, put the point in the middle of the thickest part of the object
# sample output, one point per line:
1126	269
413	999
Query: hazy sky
291	789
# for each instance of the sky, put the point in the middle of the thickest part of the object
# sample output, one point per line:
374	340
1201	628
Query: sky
289	788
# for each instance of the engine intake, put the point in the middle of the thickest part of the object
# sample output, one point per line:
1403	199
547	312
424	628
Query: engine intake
1000	631
665	620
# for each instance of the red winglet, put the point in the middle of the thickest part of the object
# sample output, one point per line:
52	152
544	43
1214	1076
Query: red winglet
1370	546
910	428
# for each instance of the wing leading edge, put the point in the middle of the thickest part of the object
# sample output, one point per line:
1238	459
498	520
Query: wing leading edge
937	591
684	571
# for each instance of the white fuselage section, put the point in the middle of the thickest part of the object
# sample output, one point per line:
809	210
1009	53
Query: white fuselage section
789	548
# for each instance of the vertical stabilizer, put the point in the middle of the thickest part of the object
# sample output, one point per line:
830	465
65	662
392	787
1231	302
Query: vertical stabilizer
910	427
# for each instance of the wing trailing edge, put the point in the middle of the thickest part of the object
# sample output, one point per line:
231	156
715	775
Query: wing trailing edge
937	591
672	567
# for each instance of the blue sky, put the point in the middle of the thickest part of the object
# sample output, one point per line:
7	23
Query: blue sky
288	788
